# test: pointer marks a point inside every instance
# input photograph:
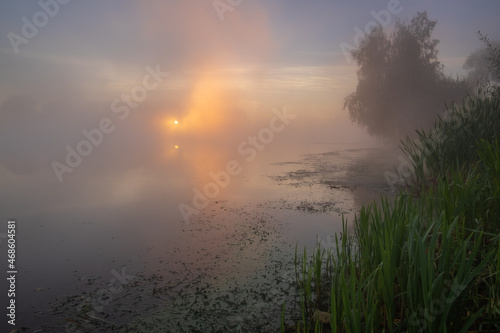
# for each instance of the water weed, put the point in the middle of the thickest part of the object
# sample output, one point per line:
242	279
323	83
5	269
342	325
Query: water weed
428	260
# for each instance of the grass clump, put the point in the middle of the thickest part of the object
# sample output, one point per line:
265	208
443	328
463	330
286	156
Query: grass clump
425	263
453	142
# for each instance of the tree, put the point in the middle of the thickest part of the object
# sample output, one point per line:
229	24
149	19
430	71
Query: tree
401	84
484	64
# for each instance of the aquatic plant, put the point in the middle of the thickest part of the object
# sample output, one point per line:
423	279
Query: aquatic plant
425	263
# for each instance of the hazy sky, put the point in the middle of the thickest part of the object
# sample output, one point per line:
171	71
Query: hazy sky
68	66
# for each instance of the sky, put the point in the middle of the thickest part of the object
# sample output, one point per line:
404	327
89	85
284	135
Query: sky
123	71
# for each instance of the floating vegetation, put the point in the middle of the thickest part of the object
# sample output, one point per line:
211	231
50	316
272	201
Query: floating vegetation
426	263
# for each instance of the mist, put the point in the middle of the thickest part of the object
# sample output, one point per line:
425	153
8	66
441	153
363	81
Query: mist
131	132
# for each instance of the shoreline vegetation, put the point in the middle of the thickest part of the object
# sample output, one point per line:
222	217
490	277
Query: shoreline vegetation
428	260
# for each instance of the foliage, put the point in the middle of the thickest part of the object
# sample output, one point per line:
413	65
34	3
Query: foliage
401	84
452	144
483	65
419	265
427	263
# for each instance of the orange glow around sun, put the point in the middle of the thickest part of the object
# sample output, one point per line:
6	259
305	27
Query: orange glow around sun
207	127
207	105
202	130
206	110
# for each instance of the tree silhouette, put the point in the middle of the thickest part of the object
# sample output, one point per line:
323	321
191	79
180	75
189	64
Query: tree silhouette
401	84
483	65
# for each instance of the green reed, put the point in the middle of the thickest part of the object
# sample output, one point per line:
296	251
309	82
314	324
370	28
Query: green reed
453	141
419	264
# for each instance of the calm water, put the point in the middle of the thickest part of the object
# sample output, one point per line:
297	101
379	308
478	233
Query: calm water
115	248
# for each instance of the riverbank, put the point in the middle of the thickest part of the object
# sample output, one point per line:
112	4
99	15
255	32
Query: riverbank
427	260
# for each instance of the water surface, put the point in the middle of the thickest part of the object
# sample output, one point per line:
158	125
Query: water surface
115	249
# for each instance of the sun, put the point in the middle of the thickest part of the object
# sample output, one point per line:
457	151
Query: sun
176	122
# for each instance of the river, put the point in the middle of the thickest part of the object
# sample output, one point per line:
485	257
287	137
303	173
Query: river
193	247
